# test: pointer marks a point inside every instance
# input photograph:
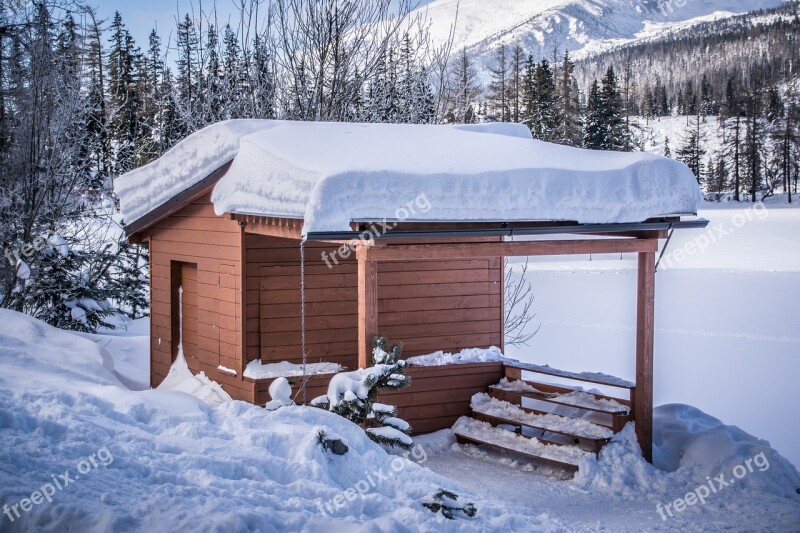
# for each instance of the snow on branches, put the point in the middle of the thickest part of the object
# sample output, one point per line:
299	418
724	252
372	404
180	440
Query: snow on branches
353	395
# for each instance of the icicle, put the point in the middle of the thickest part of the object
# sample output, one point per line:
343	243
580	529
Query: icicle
180	319
303	315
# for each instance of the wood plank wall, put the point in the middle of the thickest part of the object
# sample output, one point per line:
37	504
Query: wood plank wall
437	397
429	305
196	235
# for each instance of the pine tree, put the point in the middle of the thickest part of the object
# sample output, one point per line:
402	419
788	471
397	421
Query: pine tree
693	151
754	141
464	90
540	101
358	402
233	75
733	131
498	87
719	182
528	112
595	129
152	69
667	149
212	89
515	83
612	108
125	128
96	125
706	98
569	103
187	70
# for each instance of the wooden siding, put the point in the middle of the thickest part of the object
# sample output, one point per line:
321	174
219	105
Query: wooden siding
429	305
437	397
196	235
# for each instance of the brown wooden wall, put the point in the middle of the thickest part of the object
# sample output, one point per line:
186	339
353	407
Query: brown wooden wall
195	235
437	397
429	305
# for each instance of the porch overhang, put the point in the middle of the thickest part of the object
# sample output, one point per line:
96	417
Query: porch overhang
641	239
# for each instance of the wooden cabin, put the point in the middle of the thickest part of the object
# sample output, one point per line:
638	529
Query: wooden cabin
225	212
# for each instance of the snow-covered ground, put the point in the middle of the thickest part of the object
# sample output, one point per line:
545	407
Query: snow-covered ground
82	452
727	303
86	446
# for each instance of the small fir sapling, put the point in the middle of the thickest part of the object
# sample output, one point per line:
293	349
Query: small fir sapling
353	395
447	502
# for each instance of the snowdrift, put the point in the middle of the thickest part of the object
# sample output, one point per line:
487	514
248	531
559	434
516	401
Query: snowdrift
181	464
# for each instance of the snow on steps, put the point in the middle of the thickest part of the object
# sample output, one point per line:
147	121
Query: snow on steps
483	404
474	431
576	399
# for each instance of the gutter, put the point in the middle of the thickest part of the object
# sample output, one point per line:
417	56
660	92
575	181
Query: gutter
700	223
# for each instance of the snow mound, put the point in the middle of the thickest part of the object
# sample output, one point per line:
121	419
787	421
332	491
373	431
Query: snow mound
689	439
329	174
690	448
466	356
177	464
181	379
280	393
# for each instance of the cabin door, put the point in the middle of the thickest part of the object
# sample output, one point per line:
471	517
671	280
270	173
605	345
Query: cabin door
184	309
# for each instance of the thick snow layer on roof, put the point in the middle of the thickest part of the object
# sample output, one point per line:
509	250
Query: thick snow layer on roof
187	163
329	174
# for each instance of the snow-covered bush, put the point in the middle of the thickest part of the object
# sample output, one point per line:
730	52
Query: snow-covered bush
447	502
353	395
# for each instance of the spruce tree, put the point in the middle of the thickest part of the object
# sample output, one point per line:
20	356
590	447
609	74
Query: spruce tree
595	129
498	87
569	104
515	83
353	395
692	151
125	126
546	103
612	110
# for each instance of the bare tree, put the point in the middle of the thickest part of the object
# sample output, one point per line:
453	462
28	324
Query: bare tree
518	301
327	49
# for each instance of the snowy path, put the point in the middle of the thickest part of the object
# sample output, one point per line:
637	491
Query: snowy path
502	477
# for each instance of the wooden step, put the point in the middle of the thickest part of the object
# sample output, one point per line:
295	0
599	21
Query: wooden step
495	411
575	399
469	430
588	377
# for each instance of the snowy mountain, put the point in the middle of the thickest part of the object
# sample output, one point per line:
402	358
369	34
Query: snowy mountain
582	26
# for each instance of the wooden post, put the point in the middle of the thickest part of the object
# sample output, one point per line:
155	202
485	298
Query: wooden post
367	304
645	322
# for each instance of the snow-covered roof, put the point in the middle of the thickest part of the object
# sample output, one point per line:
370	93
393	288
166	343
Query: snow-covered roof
329	174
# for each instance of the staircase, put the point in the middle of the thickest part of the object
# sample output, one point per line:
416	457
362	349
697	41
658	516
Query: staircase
555	424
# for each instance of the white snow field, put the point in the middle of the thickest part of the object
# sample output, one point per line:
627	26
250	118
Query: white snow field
159	460
81	452
727	308
86	446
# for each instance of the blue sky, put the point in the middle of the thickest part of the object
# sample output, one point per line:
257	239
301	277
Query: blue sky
141	16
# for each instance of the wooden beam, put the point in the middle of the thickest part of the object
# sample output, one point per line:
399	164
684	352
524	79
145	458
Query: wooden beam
272	230
367	305
421	252
645	333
